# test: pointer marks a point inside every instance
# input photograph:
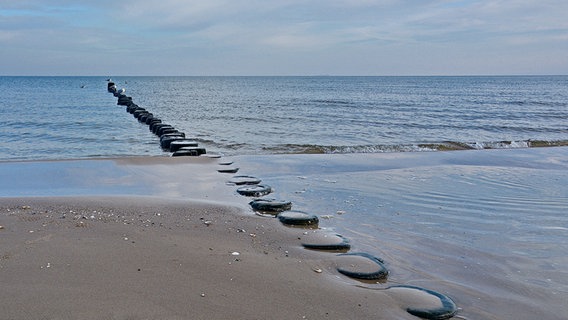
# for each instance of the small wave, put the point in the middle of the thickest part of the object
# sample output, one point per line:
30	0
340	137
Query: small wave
499	145
517	144
543	143
419	147
319	149
331	101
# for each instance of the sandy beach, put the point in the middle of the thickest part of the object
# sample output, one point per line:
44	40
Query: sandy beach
169	238
77	248
139	258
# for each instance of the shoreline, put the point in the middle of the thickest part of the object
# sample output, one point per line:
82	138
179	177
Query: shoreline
188	251
412	148
175	184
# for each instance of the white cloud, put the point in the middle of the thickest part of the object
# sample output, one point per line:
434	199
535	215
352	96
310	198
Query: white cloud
255	36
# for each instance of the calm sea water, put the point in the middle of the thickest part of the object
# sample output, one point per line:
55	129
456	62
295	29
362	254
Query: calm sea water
74	117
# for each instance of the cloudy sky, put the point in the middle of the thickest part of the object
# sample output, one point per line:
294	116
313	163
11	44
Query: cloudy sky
283	37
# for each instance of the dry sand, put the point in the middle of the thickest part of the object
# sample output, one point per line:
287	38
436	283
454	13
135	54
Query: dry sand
163	254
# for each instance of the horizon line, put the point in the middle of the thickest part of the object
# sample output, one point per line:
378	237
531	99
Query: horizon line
312	75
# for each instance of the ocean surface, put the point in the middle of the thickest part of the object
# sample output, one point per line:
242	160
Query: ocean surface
486	227
74	117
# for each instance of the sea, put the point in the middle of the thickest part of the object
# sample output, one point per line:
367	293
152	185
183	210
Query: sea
460	184
74	117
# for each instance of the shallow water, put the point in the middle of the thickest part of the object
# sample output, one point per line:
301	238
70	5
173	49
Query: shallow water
486	228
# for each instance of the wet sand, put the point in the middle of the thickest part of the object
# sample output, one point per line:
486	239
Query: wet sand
145	238
162	238
487	228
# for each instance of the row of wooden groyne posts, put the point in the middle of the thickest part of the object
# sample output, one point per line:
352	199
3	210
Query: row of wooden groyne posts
348	264
171	139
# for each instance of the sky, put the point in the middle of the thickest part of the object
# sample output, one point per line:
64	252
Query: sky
283	37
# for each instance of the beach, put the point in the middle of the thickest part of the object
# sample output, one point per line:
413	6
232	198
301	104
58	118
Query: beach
169	238
188	252
124	258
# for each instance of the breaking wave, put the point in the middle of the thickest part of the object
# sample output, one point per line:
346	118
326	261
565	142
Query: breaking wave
420	147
